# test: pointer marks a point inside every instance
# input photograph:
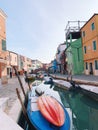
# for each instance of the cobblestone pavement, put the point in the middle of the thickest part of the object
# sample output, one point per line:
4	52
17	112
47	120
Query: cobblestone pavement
9	91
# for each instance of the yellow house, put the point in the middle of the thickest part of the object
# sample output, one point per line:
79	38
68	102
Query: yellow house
3	70
89	33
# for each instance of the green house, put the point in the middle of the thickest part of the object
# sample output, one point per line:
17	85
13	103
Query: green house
75	57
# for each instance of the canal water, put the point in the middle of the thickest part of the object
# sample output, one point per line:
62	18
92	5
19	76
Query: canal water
82	110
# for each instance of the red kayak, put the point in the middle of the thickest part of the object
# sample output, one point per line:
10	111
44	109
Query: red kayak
51	109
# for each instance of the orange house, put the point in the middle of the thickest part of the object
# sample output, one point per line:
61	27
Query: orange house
3	63
89	33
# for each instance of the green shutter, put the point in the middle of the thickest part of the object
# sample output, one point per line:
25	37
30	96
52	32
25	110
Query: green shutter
96	64
94	45
3	45
92	26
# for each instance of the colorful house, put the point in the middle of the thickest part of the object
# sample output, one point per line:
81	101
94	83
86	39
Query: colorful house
89	34
75	57
13	62
54	66
3	62
21	62
60	57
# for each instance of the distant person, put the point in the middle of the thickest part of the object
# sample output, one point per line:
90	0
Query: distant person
10	74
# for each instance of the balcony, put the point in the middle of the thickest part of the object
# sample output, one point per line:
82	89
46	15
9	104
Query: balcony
73	28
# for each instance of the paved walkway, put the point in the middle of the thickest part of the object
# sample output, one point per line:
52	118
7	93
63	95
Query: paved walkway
86	79
8	91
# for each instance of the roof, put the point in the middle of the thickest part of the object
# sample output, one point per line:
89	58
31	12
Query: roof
88	20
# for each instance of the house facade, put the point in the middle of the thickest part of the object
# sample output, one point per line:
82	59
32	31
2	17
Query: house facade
12	62
9	68
75	57
63	62
89	34
60	59
74	54
21	64
3	62
27	64
36	64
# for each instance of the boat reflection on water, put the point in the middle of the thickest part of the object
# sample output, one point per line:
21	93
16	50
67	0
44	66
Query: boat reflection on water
83	110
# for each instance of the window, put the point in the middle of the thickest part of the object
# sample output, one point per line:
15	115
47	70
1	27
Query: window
15	59
83	34
96	64
94	45
92	26
86	66
3	45
85	49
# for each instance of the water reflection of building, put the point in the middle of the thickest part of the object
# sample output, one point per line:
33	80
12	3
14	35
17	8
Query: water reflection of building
84	110
83	117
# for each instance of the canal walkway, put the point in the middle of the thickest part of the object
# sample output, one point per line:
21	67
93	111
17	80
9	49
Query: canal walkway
81	79
9	103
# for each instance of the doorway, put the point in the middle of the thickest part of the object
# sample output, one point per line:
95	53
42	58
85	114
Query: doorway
91	68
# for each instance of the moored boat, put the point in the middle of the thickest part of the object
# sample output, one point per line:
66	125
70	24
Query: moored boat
39	121
90	91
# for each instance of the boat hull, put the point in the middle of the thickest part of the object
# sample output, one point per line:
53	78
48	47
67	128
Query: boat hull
90	94
40	123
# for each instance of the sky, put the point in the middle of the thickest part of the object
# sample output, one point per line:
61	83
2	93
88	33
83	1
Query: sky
35	28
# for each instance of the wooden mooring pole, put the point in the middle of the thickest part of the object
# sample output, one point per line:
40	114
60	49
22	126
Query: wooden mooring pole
22	104
21	85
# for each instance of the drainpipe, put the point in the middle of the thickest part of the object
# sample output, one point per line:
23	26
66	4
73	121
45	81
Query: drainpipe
71	58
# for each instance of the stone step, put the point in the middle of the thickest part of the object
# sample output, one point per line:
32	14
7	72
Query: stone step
3	103
6	123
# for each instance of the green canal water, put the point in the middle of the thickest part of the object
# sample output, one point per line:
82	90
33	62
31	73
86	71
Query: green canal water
82	110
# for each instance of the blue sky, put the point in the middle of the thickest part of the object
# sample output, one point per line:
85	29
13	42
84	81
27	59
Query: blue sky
34	28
